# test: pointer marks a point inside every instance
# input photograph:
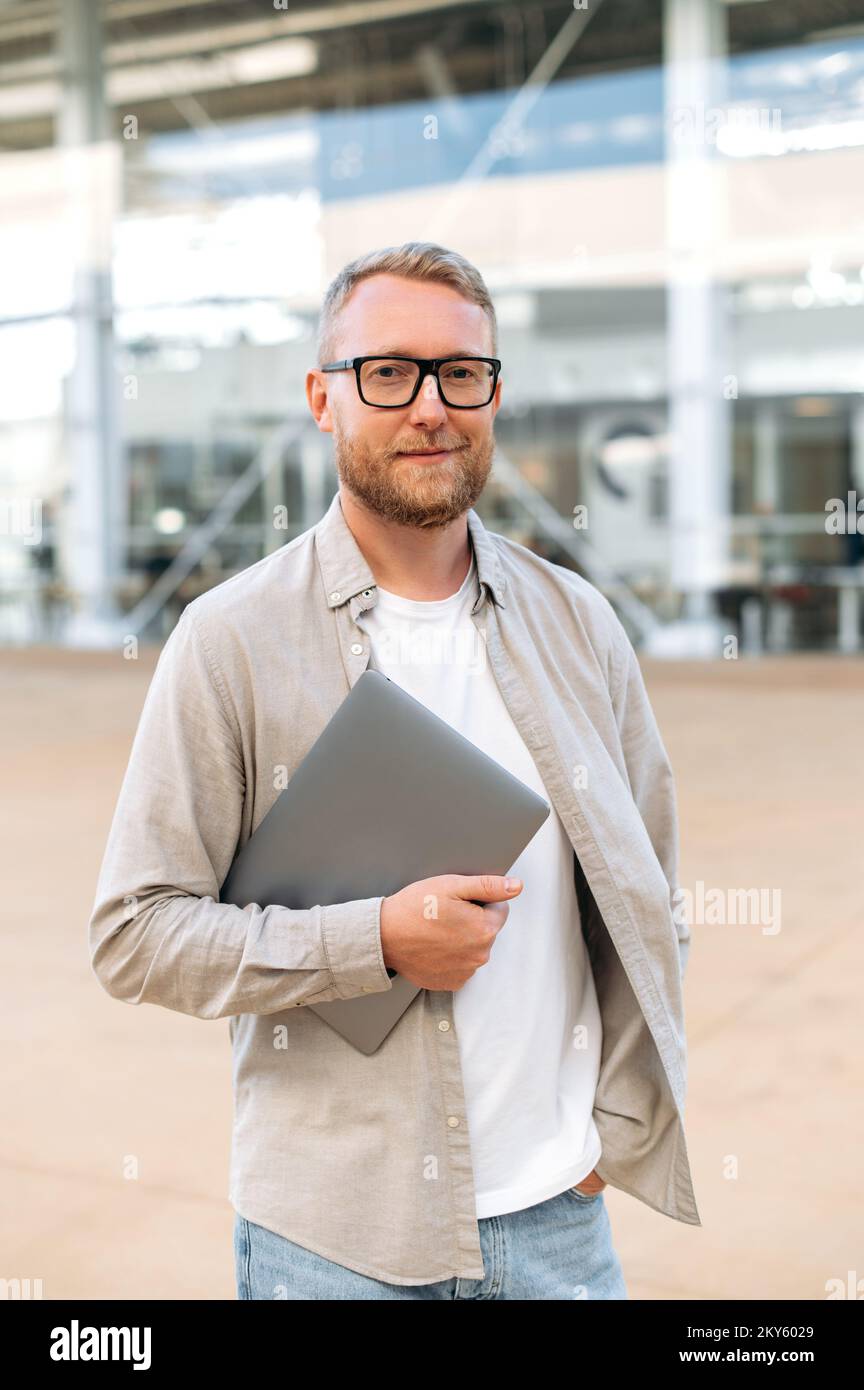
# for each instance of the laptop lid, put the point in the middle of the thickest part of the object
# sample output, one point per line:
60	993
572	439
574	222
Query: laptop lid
388	794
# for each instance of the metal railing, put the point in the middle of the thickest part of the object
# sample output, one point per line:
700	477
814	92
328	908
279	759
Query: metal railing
199	542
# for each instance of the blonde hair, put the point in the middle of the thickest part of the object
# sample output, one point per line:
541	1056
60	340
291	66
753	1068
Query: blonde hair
414	260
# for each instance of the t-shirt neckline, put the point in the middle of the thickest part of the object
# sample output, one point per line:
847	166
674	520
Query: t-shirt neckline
435	605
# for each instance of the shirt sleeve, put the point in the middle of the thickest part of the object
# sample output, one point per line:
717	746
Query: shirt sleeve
157	932
651	780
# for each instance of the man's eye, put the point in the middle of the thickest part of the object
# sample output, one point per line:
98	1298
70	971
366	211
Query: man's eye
461	373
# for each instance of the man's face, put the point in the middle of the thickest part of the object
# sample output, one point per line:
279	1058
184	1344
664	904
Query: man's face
373	446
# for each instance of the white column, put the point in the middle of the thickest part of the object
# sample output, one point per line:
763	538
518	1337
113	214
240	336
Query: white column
89	164
766	458
857	431
698	390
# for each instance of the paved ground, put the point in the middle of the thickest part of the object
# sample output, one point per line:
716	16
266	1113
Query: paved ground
769	759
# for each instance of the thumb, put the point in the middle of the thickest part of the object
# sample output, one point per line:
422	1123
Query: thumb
489	888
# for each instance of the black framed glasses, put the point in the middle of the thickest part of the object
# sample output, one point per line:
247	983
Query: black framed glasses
391	383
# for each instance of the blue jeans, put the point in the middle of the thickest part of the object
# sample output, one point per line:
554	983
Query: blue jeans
560	1248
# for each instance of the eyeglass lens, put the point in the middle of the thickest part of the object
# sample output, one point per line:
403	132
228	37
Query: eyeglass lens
387	381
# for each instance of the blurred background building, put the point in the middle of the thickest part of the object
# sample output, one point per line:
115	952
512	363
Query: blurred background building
665	199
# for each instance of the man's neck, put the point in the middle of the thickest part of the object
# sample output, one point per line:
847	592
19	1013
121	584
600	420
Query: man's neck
407	560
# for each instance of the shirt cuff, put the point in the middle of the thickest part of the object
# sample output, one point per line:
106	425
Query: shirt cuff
352	940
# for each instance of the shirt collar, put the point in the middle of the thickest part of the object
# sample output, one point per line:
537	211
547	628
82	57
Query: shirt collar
345	572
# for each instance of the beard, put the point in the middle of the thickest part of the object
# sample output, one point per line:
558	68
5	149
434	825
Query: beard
414	494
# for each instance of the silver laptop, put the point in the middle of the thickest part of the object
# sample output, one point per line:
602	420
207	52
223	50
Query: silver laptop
388	794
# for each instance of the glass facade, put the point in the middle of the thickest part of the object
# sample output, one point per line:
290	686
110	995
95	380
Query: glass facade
677	264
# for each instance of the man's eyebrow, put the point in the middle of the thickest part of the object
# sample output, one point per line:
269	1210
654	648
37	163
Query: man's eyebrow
403	352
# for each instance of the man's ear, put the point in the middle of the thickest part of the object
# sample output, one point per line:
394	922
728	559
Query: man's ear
318	400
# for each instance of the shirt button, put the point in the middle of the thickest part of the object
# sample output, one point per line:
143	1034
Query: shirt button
367	593
336	594
357	648
443	1026
453	1121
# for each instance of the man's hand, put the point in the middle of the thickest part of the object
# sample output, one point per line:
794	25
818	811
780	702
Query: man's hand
438	931
592	1184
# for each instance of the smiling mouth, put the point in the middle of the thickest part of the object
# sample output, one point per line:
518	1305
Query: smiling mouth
424	453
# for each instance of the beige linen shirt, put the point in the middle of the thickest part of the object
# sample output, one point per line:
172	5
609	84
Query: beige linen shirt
366	1160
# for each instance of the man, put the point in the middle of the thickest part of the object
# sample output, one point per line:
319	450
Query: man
544	1057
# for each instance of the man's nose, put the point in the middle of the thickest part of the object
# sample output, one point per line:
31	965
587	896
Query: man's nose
428	408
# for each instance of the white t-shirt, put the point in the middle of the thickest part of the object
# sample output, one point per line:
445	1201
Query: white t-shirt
527	1022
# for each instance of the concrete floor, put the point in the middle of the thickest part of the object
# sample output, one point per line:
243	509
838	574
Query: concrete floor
769	761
